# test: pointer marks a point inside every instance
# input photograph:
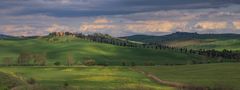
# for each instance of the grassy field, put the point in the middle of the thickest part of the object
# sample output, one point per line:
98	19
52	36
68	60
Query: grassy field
9	81
212	75
58	48
82	78
218	44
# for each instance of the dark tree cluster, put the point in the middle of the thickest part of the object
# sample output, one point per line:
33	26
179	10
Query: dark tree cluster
105	38
225	54
228	54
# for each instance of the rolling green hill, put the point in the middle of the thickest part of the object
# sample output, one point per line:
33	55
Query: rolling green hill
193	40
58	48
225	75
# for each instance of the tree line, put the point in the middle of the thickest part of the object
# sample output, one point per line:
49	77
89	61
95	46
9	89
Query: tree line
26	58
230	55
40	59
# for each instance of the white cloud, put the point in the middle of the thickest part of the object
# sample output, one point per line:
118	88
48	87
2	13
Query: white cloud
156	26
20	30
137	27
236	24
102	20
211	25
28	30
165	21
59	28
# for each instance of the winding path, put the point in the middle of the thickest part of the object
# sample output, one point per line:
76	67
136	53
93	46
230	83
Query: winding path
177	85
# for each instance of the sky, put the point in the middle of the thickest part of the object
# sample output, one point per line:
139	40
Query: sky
119	17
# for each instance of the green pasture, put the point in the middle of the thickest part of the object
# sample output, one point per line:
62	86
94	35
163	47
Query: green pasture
218	44
58	48
85	78
225	75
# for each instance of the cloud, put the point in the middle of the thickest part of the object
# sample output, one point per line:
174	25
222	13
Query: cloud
104	25
97	25
102	20
59	28
119	17
211	25
156	26
65	1
20	30
236	25
28	30
81	8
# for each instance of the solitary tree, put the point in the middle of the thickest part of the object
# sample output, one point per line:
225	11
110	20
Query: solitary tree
7	61
89	62
40	59
57	63
70	60
24	58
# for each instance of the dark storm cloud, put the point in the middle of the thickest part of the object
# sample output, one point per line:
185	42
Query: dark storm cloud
79	8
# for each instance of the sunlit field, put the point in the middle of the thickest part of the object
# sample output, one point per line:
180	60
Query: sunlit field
85	78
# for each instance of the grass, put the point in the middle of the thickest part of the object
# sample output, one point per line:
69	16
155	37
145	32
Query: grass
226	75
86	78
9	81
218	44
58	48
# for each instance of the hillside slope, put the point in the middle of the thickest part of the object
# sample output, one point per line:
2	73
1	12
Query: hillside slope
85	78
224	76
2	36
193	40
218	44
7	81
82	50
180	36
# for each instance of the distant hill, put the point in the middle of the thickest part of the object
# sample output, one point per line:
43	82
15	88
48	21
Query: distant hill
180	36
2	36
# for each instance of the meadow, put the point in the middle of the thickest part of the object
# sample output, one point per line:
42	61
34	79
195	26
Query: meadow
113	75
217	44
83	78
57	49
224	75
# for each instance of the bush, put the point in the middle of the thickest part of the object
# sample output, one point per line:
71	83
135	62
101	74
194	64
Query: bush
57	63
31	81
123	63
89	62
148	64
194	62
7	61
133	64
65	84
103	64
